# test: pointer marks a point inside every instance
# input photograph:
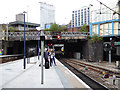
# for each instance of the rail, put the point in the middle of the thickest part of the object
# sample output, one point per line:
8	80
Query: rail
97	68
7	58
88	80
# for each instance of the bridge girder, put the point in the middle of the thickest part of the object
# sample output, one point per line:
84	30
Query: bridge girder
48	36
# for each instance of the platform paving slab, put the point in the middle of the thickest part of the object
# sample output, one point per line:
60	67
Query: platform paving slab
12	70
32	79
14	76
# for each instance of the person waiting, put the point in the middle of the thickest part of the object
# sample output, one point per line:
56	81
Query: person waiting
53	57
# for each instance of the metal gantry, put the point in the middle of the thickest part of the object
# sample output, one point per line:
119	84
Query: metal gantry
34	35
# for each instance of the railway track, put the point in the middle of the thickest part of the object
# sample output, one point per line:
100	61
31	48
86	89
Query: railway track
88	80
8	58
95	68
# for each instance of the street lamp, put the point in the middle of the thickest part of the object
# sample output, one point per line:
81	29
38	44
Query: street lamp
42	38
24	43
42	47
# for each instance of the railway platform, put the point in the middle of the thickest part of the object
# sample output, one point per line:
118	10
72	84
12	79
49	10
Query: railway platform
13	76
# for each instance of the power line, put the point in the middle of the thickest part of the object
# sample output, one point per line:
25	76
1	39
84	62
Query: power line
102	13
108	7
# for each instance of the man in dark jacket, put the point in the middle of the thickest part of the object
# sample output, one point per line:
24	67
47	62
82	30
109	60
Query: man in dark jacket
46	55
46	59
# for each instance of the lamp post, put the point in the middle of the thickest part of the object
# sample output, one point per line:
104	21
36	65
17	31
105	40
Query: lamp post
24	64
42	38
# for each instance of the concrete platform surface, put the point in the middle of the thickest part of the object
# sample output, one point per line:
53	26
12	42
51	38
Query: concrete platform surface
13	75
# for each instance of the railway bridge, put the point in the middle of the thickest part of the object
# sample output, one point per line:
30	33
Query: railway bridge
14	43
76	44
14	36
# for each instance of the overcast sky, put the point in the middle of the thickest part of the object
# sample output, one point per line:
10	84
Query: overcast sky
63	11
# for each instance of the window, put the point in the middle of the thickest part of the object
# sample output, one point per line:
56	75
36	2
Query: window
78	14
76	25
85	21
76	20
88	19
88	11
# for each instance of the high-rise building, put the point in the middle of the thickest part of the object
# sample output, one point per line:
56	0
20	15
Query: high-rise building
47	14
80	17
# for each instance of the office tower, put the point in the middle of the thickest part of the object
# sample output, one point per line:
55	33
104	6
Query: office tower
47	15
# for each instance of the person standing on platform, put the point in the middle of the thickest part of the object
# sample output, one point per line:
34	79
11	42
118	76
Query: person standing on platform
50	53
53	57
46	59
46	55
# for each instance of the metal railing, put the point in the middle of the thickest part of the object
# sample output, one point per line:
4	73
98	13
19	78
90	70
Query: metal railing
34	35
74	34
